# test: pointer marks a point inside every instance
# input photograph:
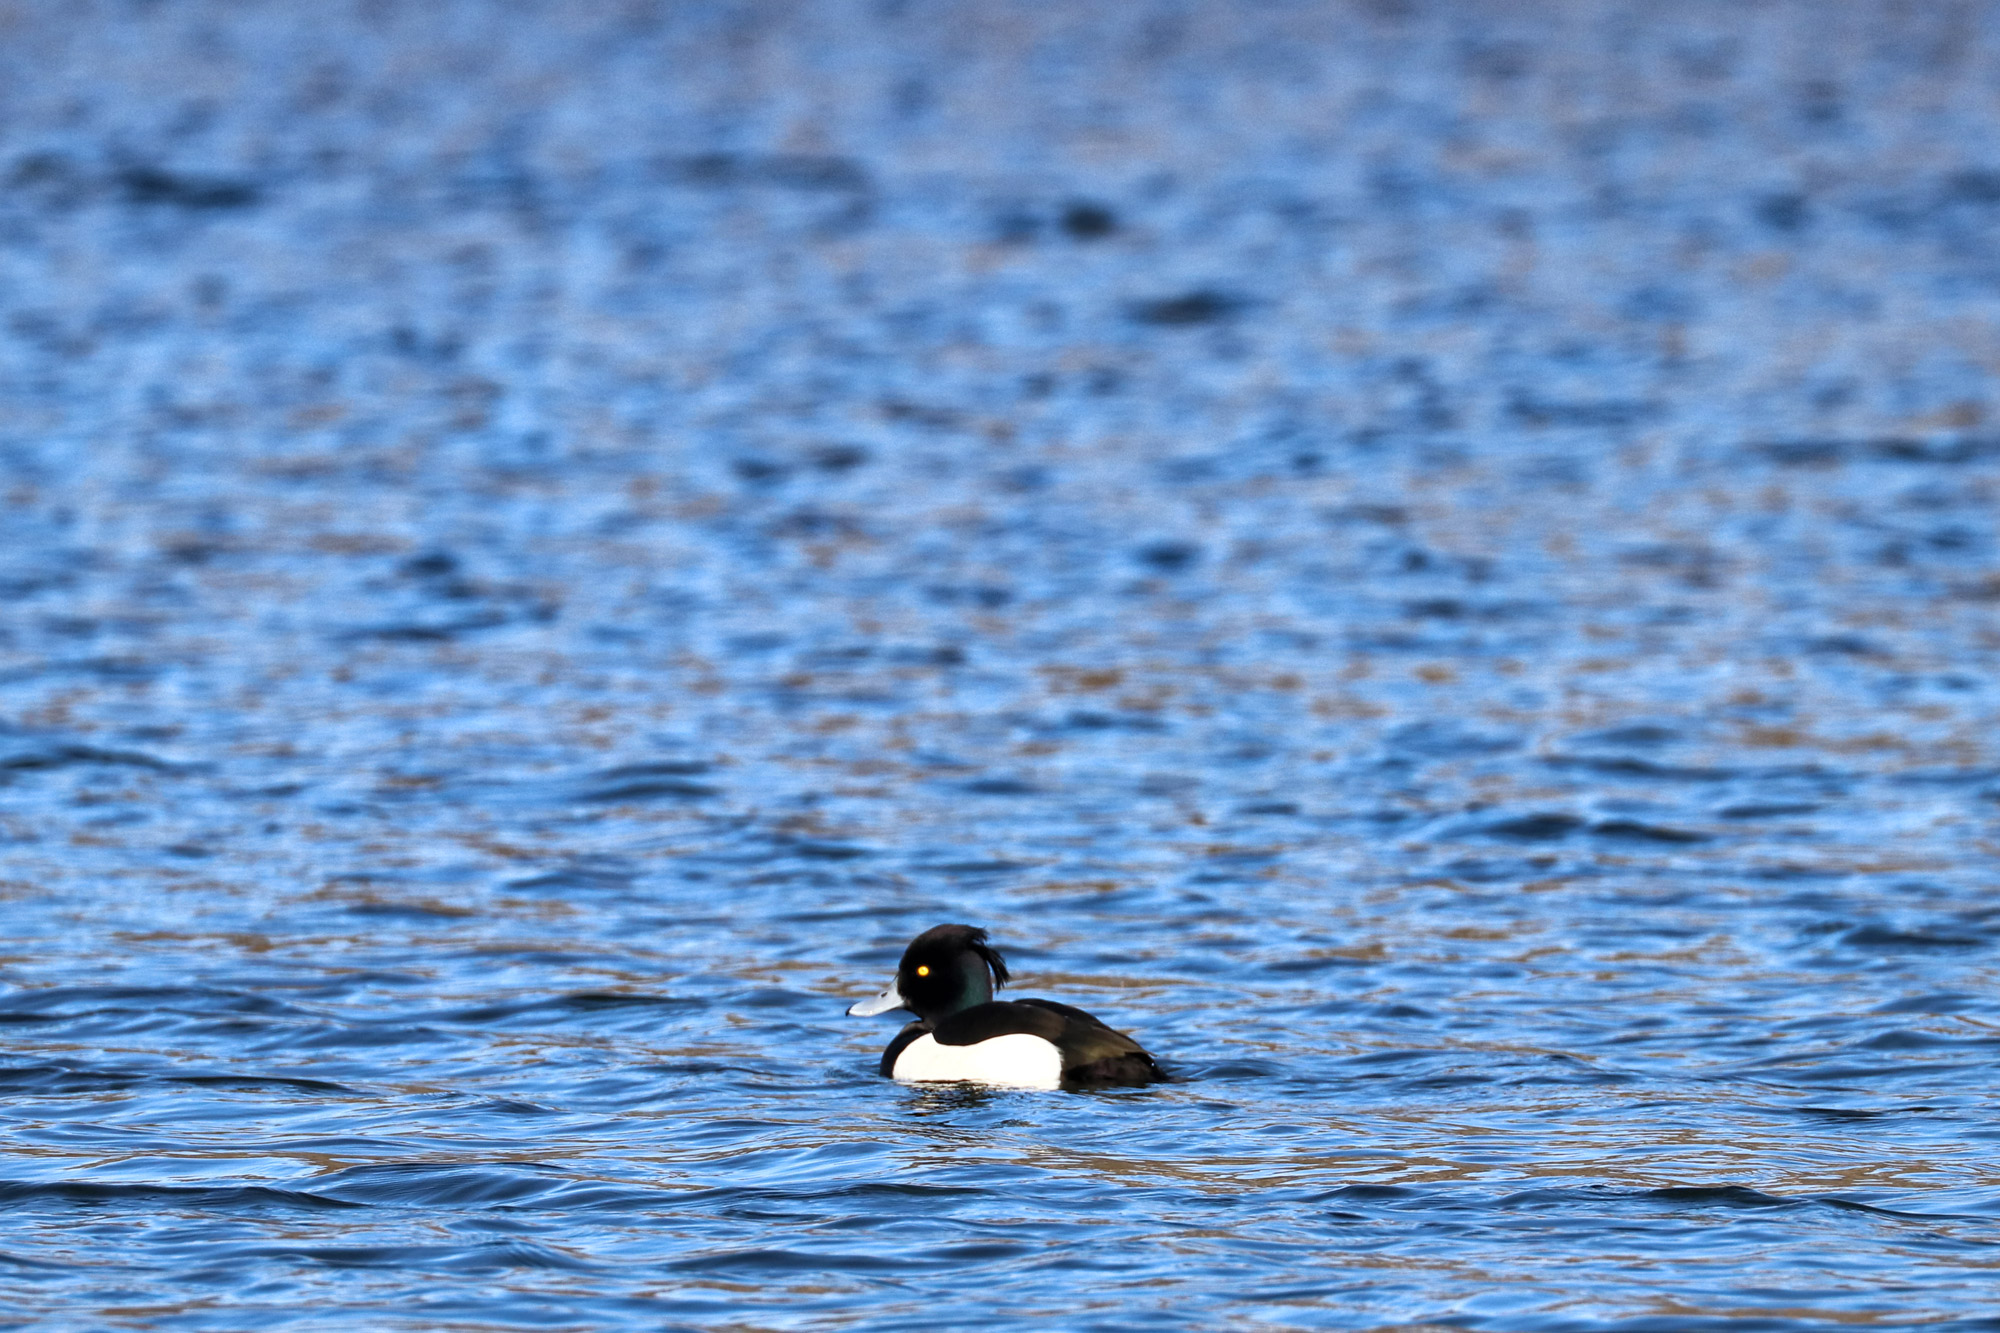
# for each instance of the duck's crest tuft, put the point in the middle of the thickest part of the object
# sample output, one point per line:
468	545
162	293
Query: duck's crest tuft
976	941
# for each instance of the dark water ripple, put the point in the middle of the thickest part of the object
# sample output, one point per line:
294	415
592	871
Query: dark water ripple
1436	562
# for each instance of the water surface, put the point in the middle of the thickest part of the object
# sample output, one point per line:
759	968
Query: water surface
1436	564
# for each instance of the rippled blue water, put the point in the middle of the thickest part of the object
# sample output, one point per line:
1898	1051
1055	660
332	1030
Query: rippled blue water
1436	562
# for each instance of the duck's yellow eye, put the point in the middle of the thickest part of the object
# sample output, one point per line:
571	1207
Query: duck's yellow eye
923	971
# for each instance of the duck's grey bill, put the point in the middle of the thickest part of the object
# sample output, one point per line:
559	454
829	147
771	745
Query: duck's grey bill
880	1004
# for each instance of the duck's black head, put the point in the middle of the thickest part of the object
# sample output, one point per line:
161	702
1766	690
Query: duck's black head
945	969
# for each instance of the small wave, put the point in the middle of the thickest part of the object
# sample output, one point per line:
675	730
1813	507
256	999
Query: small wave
24	1195
1888	939
582	1002
665	780
441	1184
